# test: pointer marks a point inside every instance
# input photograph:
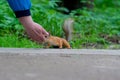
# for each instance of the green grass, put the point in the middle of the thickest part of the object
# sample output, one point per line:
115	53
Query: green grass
14	37
99	28
11	40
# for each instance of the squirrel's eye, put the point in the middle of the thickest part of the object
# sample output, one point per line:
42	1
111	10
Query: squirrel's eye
45	36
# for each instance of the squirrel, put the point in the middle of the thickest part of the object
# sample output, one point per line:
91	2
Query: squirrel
56	41
68	28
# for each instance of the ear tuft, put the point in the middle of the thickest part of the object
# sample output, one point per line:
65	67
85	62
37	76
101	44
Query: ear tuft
46	36
49	33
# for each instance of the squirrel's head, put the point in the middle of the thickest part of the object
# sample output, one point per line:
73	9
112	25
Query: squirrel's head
47	37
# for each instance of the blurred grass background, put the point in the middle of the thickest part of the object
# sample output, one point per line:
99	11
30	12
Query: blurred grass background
97	28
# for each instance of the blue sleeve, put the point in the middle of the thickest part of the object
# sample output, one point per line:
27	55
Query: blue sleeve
20	7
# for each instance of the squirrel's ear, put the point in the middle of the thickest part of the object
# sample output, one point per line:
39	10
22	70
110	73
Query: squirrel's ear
46	36
49	33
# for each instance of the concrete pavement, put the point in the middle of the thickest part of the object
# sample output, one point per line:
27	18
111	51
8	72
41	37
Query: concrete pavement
59	64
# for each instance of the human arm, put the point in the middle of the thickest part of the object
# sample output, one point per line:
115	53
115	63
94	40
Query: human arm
21	8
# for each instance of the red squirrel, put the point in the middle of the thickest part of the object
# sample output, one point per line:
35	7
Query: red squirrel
56	41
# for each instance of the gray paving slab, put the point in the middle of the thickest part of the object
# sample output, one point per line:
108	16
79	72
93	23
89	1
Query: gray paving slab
59	64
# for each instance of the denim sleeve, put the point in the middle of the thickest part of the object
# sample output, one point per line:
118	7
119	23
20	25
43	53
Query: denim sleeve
20	7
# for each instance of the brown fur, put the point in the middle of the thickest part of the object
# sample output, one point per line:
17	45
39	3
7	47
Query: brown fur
68	28
56	41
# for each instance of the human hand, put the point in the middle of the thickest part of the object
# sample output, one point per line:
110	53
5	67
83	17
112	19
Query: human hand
35	31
